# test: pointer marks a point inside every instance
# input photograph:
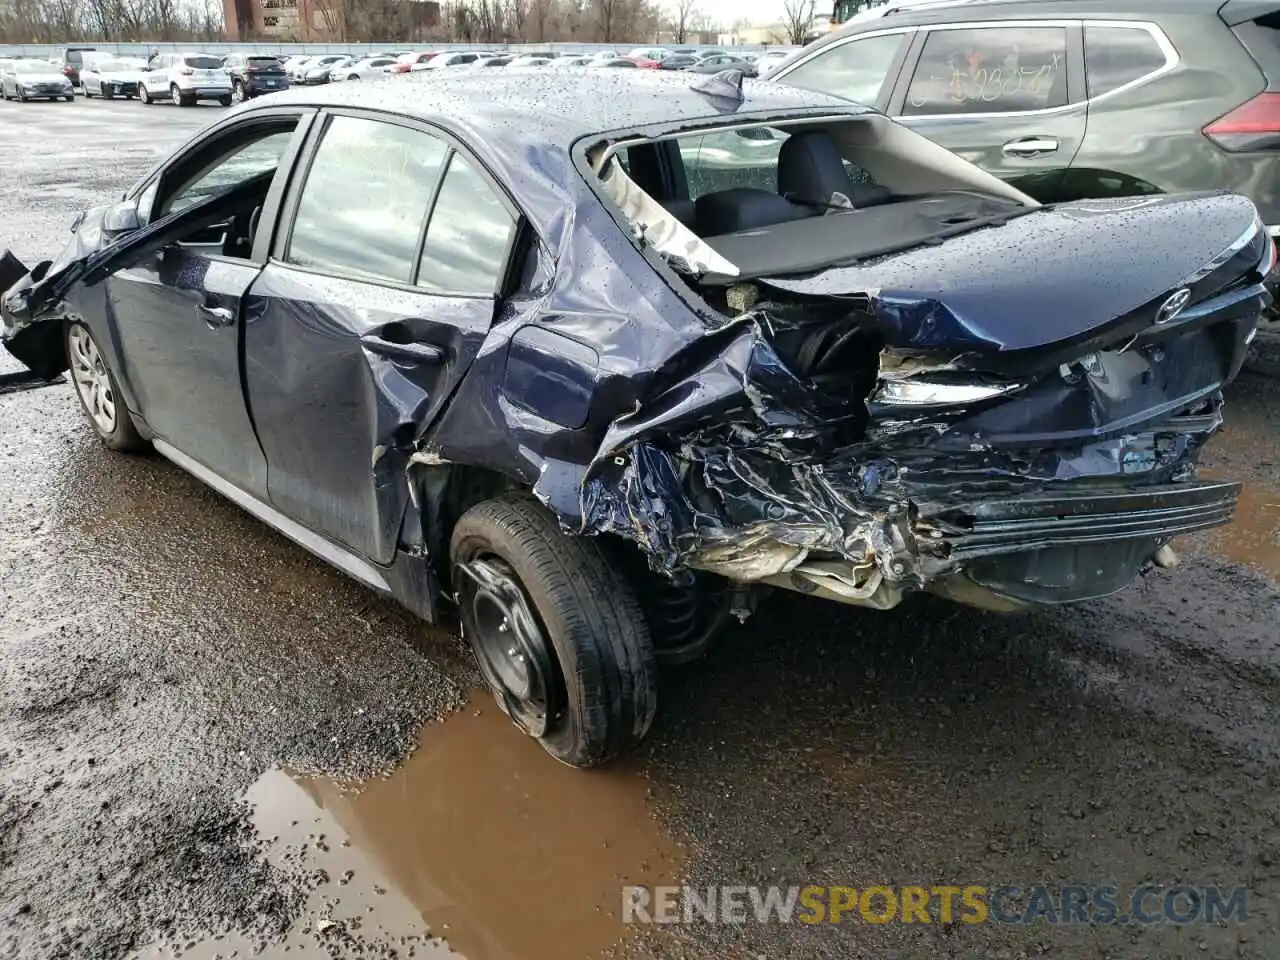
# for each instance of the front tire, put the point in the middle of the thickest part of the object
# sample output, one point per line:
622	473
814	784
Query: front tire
99	394
557	629
144	96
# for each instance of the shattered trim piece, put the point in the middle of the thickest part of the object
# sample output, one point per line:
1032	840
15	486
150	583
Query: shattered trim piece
657	228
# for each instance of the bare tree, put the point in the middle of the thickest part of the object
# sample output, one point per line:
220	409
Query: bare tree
682	16
797	19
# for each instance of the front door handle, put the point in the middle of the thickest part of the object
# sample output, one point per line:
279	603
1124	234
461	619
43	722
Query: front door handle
411	352
216	316
1030	146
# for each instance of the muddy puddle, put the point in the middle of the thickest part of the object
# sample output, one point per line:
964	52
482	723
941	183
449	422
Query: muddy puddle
479	845
1253	537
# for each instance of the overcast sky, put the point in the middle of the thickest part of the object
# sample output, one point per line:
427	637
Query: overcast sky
727	12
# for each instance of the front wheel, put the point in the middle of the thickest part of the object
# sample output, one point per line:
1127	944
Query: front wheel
144	96
99	395
557	630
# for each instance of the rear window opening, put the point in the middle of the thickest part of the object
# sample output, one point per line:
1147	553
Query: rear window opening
739	201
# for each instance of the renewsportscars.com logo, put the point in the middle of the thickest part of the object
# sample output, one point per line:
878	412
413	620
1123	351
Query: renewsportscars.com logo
971	903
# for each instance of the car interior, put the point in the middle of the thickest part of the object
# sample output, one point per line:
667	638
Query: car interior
821	203
214	171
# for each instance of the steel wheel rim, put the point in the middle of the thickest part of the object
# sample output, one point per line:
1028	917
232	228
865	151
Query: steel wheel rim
509	643
93	384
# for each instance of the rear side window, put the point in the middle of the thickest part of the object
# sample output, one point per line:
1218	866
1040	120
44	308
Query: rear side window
856	70
203	63
468	235
1115	56
365	200
989	70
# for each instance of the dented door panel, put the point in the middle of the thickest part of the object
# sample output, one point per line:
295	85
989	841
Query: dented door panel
338	407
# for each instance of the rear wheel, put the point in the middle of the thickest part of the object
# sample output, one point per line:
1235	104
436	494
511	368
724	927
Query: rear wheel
99	395
237	92
225	101
69	98
557	630
88	95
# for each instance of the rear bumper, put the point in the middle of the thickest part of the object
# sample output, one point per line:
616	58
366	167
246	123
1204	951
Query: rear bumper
1067	519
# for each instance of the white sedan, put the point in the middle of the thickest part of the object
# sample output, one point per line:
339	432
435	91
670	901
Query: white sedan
108	78
366	69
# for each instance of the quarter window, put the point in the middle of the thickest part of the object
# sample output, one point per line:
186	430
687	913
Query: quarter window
989	70
468	235
1115	56
365	199
856	70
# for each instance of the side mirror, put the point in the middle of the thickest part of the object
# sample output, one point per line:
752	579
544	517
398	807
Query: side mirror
122	217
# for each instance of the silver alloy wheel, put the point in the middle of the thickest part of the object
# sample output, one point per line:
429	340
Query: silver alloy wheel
237	93
92	381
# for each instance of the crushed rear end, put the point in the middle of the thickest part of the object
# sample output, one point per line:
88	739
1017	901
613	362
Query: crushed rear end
1007	416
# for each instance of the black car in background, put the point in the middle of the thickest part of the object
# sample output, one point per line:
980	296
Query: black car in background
252	76
72	61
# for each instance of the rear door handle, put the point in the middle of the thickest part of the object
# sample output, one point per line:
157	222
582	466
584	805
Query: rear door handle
411	352
1030	146
216	316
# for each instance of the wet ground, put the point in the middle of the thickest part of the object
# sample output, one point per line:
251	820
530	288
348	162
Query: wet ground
211	744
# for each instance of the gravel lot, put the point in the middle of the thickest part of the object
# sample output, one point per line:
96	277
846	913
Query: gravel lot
186	700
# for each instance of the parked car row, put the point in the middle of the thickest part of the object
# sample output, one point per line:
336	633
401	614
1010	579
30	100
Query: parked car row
186	78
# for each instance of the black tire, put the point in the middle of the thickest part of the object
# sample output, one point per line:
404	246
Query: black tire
237	92
589	613
87	94
70	98
124	436
144	95
225	101
22	95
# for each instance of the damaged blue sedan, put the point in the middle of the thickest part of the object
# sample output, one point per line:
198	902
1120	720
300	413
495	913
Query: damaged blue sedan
597	364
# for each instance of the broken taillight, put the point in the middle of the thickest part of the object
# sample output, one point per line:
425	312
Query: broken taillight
1254	125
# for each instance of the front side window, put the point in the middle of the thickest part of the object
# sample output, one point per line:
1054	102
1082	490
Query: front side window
989	70
468	236
240	165
857	70
365	200
1115	56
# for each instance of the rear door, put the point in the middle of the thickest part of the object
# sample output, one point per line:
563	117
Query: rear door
1006	95
366	318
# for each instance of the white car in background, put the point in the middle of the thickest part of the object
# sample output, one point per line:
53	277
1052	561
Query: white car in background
443	61
366	69
768	61
109	77
186	79
35	80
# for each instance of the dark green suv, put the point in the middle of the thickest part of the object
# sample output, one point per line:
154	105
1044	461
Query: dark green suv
1076	99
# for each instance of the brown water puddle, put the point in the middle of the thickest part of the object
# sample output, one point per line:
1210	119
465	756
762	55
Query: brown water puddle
479	844
1254	536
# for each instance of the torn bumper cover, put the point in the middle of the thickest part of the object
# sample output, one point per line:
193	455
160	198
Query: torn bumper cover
1063	490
